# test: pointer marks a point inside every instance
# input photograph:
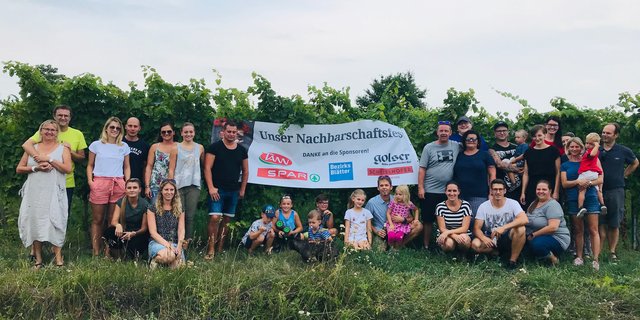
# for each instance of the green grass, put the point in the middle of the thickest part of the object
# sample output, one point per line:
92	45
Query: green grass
408	284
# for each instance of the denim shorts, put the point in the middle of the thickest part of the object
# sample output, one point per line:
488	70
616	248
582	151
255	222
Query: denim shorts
155	247
226	205
590	203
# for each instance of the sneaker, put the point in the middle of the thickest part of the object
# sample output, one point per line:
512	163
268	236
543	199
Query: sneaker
596	265
153	264
581	213
578	262
511	265
613	256
603	210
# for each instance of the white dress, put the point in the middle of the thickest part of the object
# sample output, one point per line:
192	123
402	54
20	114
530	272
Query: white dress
43	211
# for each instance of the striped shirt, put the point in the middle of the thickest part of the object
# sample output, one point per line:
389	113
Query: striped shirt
453	220
321	234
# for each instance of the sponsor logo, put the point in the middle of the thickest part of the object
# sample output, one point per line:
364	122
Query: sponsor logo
284	174
391	159
275	159
339	171
389	171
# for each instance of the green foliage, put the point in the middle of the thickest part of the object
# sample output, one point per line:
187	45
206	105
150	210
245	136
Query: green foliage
399	90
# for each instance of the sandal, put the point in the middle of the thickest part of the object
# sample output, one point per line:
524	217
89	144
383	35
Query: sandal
38	266
613	256
209	256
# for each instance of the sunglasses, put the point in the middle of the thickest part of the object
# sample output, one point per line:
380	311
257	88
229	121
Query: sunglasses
114	128
286	197
164	132
471	140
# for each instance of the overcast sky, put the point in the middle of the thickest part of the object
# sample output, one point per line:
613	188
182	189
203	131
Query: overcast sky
585	51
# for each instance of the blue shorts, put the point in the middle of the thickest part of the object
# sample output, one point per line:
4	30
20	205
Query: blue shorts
590	203
155	247
226	205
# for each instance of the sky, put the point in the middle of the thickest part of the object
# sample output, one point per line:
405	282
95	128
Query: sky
585	51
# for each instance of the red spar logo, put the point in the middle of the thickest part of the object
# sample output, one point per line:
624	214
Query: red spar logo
275	158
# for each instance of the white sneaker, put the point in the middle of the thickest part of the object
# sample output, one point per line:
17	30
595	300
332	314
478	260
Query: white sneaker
581	213
596	265
603	210
578	262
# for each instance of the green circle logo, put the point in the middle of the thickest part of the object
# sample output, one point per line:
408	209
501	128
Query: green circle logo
314	178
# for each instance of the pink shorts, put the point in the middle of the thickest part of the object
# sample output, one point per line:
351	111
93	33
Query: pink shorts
106	190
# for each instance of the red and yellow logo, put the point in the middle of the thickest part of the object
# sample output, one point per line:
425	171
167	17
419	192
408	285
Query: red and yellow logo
275	159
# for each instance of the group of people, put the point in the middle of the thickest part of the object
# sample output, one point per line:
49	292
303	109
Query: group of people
487	199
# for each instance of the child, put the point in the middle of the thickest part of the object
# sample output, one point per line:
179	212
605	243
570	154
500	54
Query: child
322	205
357	222
590	170
316	232
261	231
290	225
401	206
518	157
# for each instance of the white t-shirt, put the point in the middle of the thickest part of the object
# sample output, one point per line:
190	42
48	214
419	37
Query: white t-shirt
358	223
109	158
498	217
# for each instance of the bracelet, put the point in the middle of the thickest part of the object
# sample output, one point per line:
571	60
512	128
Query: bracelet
50	160
33	168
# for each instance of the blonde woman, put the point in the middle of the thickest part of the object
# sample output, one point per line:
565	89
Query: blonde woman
165	219
43	211
107	170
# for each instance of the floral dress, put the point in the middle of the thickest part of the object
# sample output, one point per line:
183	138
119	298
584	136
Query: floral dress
160	170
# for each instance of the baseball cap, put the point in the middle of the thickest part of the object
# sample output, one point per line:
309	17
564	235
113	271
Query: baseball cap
500	124
463	118
269	210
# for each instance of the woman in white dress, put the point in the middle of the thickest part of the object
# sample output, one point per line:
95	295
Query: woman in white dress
43	211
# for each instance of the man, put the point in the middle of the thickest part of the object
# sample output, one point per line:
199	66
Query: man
378	206
224	160
500	225
464	124
436	169
613	158
139	148
72	139
503	149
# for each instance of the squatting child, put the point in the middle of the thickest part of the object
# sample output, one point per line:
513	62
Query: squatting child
401	206
261	231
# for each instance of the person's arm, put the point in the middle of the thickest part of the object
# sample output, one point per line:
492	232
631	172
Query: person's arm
444	232
255	234
477	232
143	226
64	166
518	158
369	235
245	177
556	190
520	220
181	232
329	223
595	150
502	165
298	228
491	174
550	228
76	156
209	160
389	220
115	220
127	168
147	170
631	168
525	181
90	164
22	167
29	147
422	172
173	161
347	227
201	148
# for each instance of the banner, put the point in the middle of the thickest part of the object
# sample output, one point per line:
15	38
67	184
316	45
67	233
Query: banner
348	155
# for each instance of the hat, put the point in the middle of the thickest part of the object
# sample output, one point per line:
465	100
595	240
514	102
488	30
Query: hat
269	210
500	124
463	118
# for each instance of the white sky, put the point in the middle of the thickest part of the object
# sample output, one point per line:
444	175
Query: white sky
585	51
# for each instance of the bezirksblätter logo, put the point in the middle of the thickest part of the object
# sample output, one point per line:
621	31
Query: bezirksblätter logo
275	159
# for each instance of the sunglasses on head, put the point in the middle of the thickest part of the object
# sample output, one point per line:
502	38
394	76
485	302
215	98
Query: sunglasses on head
448	123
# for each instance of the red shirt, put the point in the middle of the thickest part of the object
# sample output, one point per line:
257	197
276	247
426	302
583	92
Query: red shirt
589	163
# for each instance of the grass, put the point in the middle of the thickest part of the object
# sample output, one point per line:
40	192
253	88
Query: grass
408	284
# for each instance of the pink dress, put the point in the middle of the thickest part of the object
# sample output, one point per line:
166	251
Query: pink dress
401	210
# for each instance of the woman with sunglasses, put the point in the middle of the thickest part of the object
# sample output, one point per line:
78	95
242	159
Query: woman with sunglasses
161	162
107	169
127	236
473	171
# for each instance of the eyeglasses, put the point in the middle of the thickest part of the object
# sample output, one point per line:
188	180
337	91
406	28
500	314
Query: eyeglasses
448	123
502	131
322	202
553	126
114	128
471	140
165	132
49	129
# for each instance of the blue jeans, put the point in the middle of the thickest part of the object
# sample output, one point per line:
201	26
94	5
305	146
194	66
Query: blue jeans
226	204
543	246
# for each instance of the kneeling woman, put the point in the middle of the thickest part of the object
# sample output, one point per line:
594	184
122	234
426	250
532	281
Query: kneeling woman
128	231
166	227
454	217
547	232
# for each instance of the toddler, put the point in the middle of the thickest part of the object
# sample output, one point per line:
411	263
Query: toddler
518	157
400	206
357	222
589	170
316	232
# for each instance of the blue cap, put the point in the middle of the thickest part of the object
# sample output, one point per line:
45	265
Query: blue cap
269	210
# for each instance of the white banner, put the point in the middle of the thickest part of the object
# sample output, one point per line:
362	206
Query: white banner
348	155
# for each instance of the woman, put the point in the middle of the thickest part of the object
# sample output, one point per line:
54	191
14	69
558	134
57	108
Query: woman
189	161
541	162
473	171
107	170
547	232
569	178
453	217
43	211
553	135
166	227
161	162
128	228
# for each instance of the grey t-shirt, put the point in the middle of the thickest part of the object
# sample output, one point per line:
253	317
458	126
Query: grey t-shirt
539	218
438	160
497	217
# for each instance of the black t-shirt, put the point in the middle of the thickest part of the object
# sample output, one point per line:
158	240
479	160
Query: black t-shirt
133	216
137	157
227	165
613	164
541	163
507	153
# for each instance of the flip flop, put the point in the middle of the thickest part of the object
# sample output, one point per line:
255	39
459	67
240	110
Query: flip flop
38	266
209	256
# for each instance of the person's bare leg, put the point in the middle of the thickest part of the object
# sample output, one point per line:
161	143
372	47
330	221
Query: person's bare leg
603	235
269	245
427	230
613	234
449	245
212	230
37	252
224	231
578	235
415	231
97	221
57	252
592	225
518	239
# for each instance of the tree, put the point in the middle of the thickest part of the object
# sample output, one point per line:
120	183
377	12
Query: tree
399	90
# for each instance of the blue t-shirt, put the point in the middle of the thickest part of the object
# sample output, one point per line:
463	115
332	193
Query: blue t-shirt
378	209
571	169
471	174
520	149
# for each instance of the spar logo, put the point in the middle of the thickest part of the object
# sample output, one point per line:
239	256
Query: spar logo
273	158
